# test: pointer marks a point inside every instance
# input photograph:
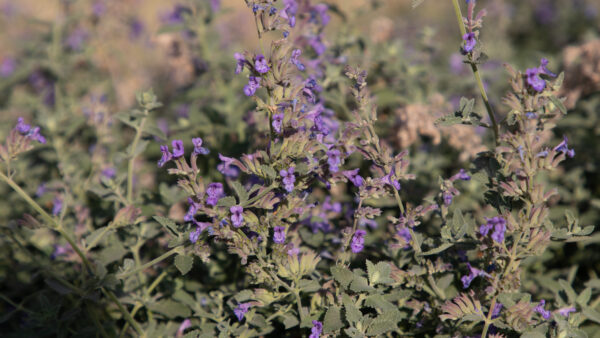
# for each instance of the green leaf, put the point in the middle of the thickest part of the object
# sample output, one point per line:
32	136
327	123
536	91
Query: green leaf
377	301
167	224
591	314
353	314
380	273
333	320
155	131
240	191
533	334
139	148
448	120
228	202
308	285
584	297
269	171
568	290
342	275
184	263
558	103
290	321
170	308
416	3
360	284
438	249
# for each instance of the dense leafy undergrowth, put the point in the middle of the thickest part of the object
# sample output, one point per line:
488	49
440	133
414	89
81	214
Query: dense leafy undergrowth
324	182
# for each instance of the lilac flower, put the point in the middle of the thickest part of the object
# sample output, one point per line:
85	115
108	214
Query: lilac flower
279	235
278	122
473	273
240	62
542	154
289	11
531	115
496	311
462	175
166	156
186	324
189	216
470	42
136	29
99	8
358	241
315	331
109	172
405	234
198	149
543	68
215	5
237	218
294	251
41	190
498	224
200	226
447	197
22	127
540	309
354	177
334	160
317	44
60	250
178	150
391	180
57	206
288	178
252	86
563	147
175	16
294	59
76	39
365	222
227	168
241	310
35	135
566	310
214	192
321	11
534	80
7	67
261	64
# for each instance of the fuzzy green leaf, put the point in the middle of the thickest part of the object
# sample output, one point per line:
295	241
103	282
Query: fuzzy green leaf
333	320
353	314
342	275
184	263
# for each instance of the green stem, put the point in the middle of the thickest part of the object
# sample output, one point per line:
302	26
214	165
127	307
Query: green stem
488	320
486	101
100	236
138	135
149	264
126	314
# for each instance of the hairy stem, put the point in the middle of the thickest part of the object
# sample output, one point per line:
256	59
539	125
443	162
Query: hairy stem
151	263
138	135
475	69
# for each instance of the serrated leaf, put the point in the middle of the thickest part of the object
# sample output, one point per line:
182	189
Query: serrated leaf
353	314
448	120
437	250
591	314
184	263
228	202
342	275
568	290
269	171
558	103
290	321
377	301
170	309
167	224
360	284
333	320
240	191
308	285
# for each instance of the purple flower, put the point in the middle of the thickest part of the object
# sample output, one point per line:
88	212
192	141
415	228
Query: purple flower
60	250
288	178
198	149
279	235
136	29
540	309
76	39
241	310
315	331
22	127
278	122
215	5
543	68
214	192
186	324
261	64
566	310
57	206
534	80
189	216
496	311
294	251
252	86
200	226
178	150
564	147
41	190
470	42
334	160
166	156
447	197
358	241
7	67
175	16
227	168
294	59
240	62
35	135
99	8
473	273
391	180
354	177
237	218
109	172
289	11
405	234
498	224
462	175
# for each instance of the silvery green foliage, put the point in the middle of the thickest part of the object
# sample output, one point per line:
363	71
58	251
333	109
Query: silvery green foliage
299	218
